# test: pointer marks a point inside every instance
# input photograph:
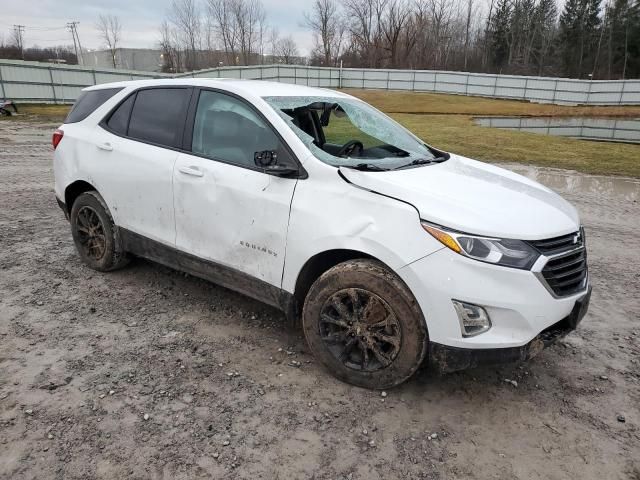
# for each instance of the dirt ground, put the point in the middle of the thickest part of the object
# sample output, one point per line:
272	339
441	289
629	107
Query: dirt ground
148	373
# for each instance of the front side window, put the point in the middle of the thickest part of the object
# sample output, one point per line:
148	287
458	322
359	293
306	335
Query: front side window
348	132
227	129
158	115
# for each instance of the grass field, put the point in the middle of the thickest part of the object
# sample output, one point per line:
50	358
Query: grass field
46	111
446	121
438	103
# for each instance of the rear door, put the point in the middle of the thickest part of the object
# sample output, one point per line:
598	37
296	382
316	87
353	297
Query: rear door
228	210
137	147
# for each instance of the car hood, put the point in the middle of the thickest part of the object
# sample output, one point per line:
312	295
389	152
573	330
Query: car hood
475	197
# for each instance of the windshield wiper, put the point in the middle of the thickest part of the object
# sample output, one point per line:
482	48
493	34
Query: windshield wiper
366	167
421	161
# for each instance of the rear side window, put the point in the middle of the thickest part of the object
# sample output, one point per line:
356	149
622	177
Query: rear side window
158	115
88	101
119	119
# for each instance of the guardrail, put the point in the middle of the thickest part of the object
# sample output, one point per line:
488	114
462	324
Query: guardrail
38	82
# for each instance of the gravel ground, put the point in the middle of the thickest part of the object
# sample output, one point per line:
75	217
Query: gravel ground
148	373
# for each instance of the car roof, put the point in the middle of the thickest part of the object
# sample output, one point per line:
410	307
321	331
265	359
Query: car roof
258	88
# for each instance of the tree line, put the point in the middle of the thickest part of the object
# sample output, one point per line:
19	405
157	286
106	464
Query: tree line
597	39
61	54
587	39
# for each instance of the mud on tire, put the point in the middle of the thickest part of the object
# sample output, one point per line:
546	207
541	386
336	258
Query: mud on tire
364	325
96	237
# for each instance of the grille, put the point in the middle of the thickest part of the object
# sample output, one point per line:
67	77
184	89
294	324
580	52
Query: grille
566	270
553	246
566	274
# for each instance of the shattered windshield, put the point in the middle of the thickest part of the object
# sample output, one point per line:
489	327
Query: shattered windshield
350	133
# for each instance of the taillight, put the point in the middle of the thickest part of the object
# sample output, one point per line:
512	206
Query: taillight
57	136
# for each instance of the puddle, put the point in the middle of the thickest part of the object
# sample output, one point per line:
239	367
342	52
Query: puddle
626	130
618	189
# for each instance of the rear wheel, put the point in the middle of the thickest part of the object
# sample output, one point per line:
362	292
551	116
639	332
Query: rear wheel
362	322
96	237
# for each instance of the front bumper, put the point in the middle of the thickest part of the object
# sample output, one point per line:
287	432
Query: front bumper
518	303
447	359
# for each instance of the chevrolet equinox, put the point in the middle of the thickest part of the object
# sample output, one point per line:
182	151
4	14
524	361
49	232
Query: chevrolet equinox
390	251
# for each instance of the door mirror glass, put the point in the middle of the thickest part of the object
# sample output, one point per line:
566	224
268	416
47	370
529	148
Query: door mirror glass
268	161
265	158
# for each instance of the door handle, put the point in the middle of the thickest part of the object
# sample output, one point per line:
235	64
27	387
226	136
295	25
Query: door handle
193	171
105	146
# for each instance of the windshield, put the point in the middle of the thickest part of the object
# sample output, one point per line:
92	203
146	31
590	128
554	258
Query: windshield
348	132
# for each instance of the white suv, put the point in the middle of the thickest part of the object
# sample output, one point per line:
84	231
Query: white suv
389	250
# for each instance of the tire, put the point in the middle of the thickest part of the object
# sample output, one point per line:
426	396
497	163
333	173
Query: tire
96	237
386	340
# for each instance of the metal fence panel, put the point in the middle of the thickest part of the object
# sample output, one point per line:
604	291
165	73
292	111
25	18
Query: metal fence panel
40	82
481	90
66	77
374	75
11	73
33	92
482	80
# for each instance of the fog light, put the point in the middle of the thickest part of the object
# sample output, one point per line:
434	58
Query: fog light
474	320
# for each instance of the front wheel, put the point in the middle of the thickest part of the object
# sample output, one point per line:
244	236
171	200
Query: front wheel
96	237
362	322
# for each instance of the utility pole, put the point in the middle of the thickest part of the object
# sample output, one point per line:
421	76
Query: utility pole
19	30
73	28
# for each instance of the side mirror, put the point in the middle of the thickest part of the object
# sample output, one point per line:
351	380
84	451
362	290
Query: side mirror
267	160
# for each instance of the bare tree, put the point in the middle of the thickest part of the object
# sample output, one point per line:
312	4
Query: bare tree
249	14
261	40
441	13
17	37
241	26
110	29
487	30
170	49
365	29
287	50
223	21
325	21
274	39
467	31
392	23
186	19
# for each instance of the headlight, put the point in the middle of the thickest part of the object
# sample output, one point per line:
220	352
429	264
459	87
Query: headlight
499	251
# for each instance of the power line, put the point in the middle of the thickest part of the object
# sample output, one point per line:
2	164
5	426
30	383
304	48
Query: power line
45	29
27	27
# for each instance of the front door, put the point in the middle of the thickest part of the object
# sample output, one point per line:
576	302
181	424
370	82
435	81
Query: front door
228	210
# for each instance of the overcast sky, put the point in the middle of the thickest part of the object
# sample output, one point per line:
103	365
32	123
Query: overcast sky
45	21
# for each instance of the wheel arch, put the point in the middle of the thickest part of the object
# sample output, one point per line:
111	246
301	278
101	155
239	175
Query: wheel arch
74	190
322	262
317	265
